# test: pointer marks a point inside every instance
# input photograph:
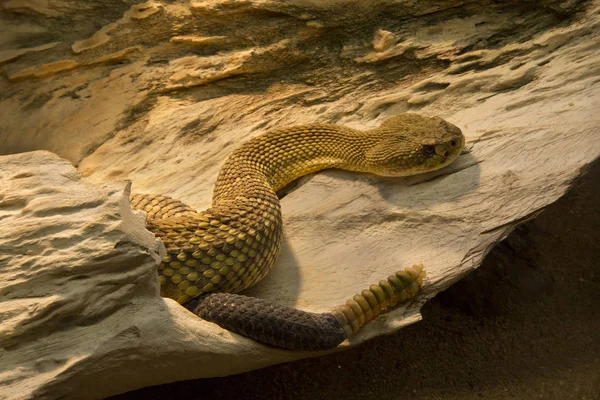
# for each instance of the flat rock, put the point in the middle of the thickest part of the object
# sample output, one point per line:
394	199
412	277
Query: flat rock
91	114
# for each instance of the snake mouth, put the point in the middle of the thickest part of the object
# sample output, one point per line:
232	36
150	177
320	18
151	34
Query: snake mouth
442	150
452	148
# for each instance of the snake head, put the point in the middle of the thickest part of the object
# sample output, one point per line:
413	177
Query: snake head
409	144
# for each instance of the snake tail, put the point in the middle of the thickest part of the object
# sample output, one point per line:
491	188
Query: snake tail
294	329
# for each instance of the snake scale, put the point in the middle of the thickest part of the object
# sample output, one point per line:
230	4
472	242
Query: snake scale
214	254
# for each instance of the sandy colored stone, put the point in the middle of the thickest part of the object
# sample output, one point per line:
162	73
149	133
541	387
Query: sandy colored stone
9	55
119	55
198	40
44	70
80	311
197	71
47	8
137	12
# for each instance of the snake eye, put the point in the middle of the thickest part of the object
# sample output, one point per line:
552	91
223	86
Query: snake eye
453	143
429	150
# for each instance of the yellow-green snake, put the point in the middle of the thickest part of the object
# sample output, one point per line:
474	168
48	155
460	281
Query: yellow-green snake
213	254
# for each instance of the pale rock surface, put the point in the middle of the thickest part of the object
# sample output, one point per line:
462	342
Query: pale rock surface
159	93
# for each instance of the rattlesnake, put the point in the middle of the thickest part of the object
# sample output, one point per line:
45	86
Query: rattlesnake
234	244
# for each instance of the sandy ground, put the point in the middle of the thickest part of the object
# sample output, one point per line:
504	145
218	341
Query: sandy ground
526	325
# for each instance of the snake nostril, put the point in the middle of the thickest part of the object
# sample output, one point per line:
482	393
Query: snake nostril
446	154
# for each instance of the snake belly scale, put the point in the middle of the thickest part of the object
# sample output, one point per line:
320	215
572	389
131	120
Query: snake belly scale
214	254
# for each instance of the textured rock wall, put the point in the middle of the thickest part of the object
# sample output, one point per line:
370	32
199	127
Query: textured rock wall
159	93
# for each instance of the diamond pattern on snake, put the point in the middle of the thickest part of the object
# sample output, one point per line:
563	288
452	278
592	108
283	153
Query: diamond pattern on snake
213	255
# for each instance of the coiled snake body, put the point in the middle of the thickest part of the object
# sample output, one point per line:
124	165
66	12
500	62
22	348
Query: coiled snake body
212	255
